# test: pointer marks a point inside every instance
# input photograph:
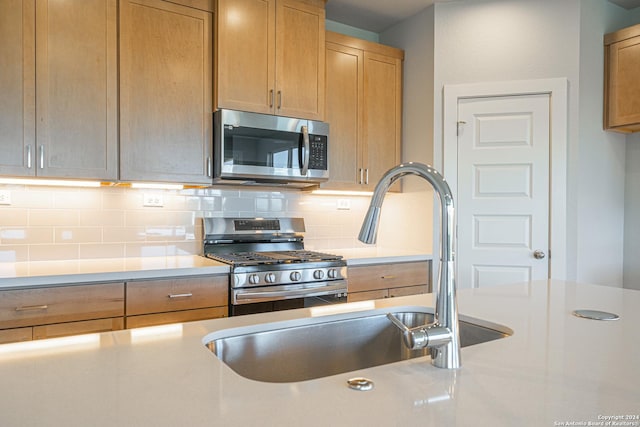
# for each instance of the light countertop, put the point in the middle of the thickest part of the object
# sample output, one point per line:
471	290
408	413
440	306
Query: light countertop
375	255
556	369
45	273
15	275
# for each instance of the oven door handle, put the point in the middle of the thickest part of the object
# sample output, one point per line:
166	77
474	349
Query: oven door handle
292	293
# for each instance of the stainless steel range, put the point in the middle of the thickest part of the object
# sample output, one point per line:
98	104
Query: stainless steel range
270	269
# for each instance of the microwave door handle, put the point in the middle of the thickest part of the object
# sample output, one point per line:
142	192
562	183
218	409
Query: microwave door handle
305	148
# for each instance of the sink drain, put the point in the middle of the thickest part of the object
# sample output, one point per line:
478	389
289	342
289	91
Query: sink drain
595	315
360	384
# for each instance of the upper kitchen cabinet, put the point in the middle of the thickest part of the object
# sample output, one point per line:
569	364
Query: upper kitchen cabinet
271	57
622	80
58	74
364	110
166	94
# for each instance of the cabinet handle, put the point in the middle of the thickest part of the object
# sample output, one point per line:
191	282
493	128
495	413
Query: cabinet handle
366	180
361	176
29	156
42	157
32	307
388	277
209	171
185	295
271	98
279	99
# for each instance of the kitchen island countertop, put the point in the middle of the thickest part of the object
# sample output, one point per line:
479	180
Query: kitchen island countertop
556	369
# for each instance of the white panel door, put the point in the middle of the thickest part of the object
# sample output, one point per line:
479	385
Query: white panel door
503	190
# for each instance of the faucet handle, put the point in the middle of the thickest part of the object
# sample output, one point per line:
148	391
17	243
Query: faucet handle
431	335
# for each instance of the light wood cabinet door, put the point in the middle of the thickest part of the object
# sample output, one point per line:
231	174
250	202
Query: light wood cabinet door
245	55
367	295
408	290
622	80
366	127
67	52
17	86
382	115
16	335
76	81
344	99
300	60
43	306
270	57
75	328
144	320
167	295
166	94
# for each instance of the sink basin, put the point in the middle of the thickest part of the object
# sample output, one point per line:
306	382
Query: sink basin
302	350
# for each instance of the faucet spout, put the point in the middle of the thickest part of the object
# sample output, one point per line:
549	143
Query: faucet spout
447	353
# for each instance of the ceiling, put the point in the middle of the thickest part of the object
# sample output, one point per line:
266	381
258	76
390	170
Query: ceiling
378	15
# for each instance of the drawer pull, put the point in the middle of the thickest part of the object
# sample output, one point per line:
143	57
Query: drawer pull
388	277
186	295
32	307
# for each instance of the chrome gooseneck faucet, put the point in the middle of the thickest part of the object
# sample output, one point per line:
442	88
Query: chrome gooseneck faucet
442	336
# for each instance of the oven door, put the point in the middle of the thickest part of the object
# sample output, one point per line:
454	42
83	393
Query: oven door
275	298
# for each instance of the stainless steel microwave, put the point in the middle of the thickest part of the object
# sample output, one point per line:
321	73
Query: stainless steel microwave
261	148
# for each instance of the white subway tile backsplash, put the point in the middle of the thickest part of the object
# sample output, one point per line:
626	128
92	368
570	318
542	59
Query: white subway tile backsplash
61	223
14	253
12	217
55	252
53	217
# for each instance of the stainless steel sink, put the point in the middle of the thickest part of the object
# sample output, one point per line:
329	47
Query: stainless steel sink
318	347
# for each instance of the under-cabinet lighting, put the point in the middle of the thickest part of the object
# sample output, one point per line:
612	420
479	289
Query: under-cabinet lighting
157	186
153	333
341	193
50	346
52	182
325	310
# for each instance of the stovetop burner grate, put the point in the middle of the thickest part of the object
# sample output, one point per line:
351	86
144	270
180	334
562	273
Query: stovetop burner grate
275	257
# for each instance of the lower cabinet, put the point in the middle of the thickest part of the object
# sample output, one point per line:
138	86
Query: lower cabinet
155	302
27	314
378	281
37	313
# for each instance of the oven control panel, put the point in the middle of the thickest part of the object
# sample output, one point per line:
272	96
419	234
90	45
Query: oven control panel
285	277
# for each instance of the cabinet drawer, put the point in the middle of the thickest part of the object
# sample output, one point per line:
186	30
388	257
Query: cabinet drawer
75	328
367	295
15	335
384	276
176	317
158	296
28	307
408	290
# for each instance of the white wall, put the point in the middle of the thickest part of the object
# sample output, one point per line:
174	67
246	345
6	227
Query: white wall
632	203
408	222
497	40
600	157
632	214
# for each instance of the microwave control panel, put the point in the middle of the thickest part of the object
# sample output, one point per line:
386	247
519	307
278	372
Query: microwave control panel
318	152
